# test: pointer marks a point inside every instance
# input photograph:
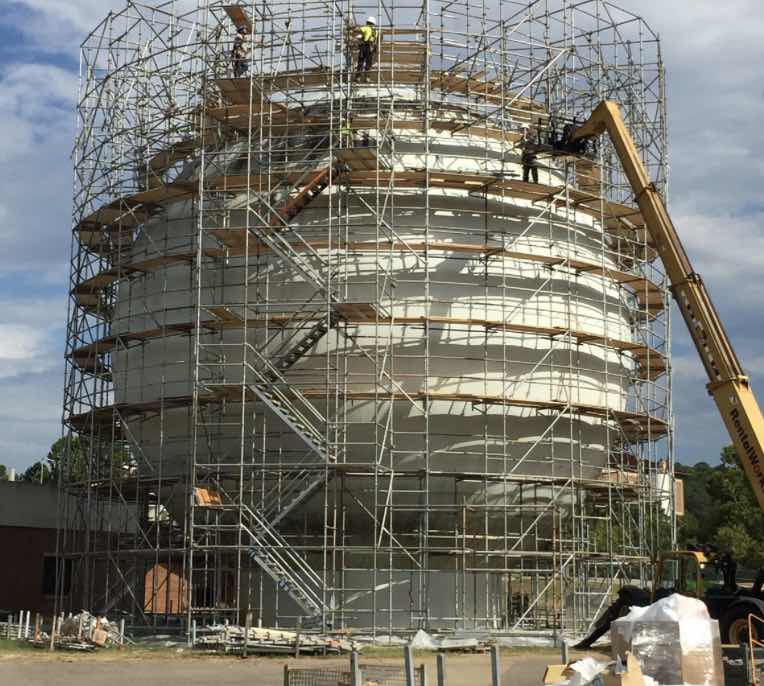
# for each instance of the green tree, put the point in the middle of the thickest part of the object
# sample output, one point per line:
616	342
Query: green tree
740	514
38	473
721	509
736	540
68	457
701	509
3	473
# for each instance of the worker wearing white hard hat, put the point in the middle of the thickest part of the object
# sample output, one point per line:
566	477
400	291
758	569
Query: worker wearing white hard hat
367	38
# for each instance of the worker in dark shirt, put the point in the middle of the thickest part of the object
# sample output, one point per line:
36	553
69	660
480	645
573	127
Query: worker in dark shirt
529	159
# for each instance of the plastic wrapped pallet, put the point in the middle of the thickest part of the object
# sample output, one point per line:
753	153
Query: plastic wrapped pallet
675	641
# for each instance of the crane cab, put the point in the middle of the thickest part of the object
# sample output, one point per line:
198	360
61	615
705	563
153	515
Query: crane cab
681	571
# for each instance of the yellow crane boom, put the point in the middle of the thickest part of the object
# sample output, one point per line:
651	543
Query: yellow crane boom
728	385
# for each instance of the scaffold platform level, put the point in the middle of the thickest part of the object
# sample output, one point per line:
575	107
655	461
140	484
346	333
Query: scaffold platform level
617	218
651	363
649	294
635	425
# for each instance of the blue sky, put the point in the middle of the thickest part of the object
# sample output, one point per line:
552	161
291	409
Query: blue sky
713	52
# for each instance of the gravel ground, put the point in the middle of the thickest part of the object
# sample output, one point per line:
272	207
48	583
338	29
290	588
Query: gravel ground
29	668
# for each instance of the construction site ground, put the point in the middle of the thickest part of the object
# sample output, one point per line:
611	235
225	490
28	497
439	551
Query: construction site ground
33	667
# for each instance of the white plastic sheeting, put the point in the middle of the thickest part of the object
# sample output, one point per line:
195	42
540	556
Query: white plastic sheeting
674	639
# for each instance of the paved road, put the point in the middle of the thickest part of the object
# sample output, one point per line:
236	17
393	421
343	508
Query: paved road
519	669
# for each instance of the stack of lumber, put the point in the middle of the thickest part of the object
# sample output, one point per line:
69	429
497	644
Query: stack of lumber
231	639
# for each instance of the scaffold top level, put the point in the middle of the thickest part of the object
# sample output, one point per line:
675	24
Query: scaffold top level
149	70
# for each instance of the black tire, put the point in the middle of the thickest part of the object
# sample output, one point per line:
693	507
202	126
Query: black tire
734	625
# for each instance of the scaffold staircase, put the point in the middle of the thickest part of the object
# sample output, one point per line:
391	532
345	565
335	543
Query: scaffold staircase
289	570
289	404
316	185
279	223
307	342
266	366
265	370
274	554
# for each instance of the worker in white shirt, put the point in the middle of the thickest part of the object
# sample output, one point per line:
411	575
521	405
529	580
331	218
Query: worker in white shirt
242	45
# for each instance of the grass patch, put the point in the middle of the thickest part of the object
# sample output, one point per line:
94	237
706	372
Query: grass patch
7	646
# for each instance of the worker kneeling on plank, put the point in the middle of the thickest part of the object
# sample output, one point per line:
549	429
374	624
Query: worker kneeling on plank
240	55
367	46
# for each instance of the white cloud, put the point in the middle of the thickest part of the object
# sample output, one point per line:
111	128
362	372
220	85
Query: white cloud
727	250
31	336
62	25
31	377
30	417
80	15
20	342
713	52
36	104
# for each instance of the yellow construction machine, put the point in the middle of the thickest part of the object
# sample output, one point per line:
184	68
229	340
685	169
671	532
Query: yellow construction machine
688	572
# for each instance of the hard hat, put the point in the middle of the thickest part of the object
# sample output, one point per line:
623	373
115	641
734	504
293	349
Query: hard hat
372	21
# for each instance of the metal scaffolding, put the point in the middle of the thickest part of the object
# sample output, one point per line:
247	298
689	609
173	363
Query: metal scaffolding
330	362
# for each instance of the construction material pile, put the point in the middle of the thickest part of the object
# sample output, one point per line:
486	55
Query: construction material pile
672	642
91	629
674	639
624	672
236	639
80	632
424	641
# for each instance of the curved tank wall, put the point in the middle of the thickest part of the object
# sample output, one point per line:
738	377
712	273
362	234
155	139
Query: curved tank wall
462	361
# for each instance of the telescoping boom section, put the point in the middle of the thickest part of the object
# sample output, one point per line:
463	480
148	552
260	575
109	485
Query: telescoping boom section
728	385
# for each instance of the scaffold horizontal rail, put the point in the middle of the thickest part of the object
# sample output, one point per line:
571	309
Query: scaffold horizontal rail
614	215
404	68
651	362
136	208
636	425
649	294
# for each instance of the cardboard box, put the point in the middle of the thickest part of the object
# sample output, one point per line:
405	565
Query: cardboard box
556	674
100	637
632	676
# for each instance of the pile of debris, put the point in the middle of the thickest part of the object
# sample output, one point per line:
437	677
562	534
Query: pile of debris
97	630
81	632
626	672
230	638
674	641
424	641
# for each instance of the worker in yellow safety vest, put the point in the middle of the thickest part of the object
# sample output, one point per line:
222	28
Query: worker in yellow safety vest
367	38
346	133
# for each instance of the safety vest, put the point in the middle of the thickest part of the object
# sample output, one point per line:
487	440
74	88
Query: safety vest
368	34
